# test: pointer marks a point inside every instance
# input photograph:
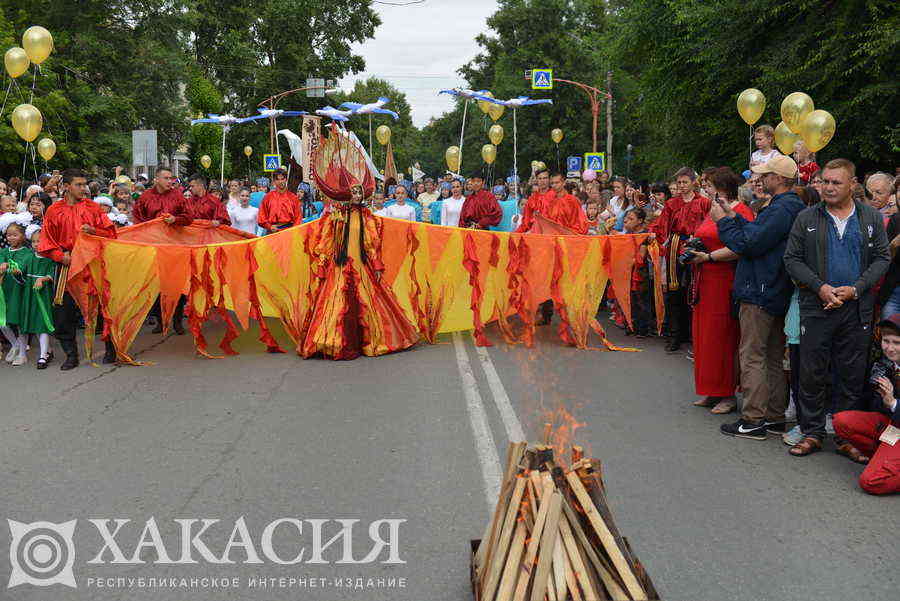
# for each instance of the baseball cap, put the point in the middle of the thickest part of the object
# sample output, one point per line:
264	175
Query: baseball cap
779	165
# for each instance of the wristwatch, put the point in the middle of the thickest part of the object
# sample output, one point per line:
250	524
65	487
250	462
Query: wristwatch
855	293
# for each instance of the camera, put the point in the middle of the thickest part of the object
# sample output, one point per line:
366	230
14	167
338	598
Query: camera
883	368
691	246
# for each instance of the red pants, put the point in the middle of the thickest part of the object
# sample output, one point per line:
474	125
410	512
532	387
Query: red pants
862	429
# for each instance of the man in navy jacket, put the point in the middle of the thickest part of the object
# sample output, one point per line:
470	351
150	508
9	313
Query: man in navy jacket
763	290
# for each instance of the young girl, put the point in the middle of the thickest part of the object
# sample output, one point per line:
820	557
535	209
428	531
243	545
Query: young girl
764	136
14	260
635	223
806	161
596	225
38	298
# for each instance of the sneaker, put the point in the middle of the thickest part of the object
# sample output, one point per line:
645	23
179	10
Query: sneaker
744	429
792	436
829	425
775	427
12	353
673	346
21	358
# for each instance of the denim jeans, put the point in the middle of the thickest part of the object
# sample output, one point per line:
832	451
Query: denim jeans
892	305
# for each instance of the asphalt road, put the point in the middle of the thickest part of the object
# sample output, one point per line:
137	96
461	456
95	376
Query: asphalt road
416	436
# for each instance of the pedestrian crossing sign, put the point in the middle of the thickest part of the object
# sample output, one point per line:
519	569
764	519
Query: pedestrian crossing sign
595	161
271	162
542	79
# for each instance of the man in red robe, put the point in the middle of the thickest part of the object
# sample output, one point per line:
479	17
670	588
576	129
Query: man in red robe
677	222
279	208
64	219
481	210
535	202
555	205
163	199
204	205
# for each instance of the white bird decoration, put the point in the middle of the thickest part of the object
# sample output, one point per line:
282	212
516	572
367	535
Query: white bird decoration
377	107
515	103
334	114
272	114
223	120
462	93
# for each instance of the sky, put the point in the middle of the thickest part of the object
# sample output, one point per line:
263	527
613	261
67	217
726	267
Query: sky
418	48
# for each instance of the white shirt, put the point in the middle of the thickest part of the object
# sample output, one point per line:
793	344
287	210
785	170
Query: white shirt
244	219
382	212
398	211
841	224
450	210
233	203
759	157
615	205
426	199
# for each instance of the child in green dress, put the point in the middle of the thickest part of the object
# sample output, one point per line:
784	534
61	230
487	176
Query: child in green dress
37	308
14	260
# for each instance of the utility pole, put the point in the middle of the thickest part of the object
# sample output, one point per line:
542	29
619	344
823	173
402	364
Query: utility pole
609	130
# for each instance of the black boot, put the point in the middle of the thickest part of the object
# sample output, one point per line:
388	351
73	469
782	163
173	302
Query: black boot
157	329
178	316
109	356
71	351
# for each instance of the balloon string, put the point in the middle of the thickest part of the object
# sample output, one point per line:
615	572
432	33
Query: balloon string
8	88
33	82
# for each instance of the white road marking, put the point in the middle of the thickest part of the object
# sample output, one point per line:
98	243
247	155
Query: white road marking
484	440
514	431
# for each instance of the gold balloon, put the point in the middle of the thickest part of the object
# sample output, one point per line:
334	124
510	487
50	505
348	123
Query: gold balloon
534	166
495	111
38	44
248	150
484	105
495	134
556	135
27	121
817	130
46	148
16	62
489	153
750	105
794	109
785	138
540	165
383	134
452	158
206	161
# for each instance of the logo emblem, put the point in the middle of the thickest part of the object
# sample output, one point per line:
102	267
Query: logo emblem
810	229
42	553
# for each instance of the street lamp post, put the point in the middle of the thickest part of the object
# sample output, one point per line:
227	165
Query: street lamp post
595	96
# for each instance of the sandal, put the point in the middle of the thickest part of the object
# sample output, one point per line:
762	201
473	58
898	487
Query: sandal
724	406
852	453
807	446
708	401
42	362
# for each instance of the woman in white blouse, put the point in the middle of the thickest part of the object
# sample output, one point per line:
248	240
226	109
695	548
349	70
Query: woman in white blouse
452	205
243	217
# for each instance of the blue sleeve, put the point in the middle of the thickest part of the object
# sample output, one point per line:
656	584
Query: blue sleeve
756	238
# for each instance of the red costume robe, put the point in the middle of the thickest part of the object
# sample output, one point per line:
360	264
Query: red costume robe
279	208
62	223
564	210
152	204
209	207
681	218
480	209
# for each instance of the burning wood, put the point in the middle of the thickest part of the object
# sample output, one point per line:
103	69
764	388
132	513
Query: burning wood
552	536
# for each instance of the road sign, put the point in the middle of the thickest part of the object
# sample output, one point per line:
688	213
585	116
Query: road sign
573	166
542	79
143	148
271	162
595	161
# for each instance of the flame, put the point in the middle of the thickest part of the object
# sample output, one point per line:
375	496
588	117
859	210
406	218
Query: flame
563	427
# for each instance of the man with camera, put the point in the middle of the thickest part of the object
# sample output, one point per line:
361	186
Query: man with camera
876	433
837	252
763	290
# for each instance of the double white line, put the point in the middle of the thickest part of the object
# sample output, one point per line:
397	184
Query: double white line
481	429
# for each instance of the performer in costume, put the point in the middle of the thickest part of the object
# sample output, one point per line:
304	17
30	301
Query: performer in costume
481	210
353	312
14	259
204	205
535	203
280	208
37	313
71	214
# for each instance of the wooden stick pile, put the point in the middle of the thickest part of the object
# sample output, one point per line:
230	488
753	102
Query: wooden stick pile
552	536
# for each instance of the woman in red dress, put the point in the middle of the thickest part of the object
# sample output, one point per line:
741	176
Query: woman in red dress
715	330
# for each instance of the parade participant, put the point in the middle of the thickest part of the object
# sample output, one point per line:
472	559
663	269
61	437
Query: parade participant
676	223
354	312
244	217
204	204
279	208
563	208
36	318
162	200
233	196
13	264
65	218
378	207
452	207
399	209
535	202
481	210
